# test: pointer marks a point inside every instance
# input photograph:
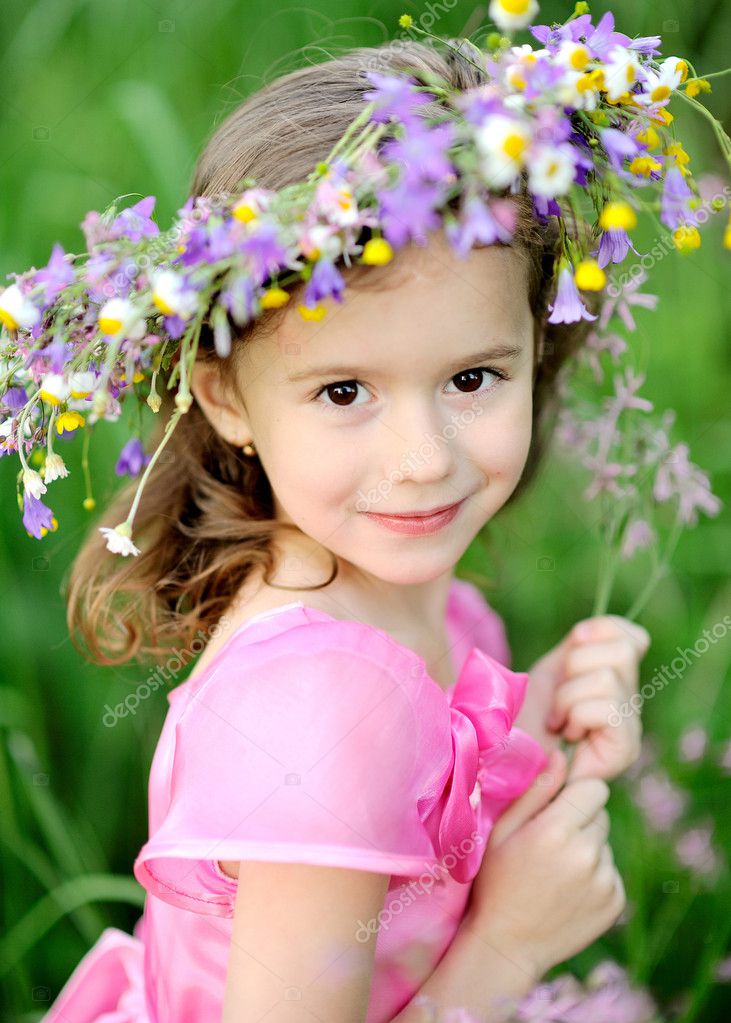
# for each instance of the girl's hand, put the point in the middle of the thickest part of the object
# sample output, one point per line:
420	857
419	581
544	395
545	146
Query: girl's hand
547	886
587	681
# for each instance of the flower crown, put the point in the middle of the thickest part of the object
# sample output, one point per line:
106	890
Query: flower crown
581	124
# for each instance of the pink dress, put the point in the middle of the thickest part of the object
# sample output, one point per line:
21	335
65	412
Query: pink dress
313	740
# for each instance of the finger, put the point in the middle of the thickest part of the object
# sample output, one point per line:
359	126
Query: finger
598	827
618	654
607	627
590	715
577	803
601	684
606	856
533	800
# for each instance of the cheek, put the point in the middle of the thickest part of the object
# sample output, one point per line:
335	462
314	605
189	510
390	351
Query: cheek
305	472
502	436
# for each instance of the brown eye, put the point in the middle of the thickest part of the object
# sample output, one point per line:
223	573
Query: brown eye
341	392
473	378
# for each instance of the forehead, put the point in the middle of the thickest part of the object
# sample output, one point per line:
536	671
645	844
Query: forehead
423	302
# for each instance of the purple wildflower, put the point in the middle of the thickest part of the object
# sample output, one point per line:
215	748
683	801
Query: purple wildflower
265	249
678	477
423	152
603	38
695	851
15	398
674	208
605	477
553	37
614	245
692	743
625	396
482	222
645	44
628	296
544	207
408	212
661	802
220	243
55	276
568	307
36	515
326	282
131	458
135	222
618	146
394	96
637	536
238	298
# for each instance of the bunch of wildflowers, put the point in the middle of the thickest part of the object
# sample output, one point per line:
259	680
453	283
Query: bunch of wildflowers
581	123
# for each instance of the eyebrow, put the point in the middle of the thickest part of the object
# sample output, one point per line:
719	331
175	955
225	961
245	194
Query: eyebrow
510	352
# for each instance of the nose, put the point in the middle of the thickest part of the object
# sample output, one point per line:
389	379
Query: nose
422	442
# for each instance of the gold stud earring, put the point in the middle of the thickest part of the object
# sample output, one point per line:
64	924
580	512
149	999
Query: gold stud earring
249	449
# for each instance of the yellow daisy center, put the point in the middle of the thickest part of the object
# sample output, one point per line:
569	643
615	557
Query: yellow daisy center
10	322
659	93
109	325
161	304
515	6
513	146
579	58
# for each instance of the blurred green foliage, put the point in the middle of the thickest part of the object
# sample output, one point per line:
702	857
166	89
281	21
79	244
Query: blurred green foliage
102	99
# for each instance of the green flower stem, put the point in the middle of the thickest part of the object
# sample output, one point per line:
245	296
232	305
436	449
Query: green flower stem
21	427
457	50
366	142
169	427
716	74
85	460
658	572
49	431
361	119
723	140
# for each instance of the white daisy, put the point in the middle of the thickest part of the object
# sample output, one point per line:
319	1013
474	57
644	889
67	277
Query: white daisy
621	71
551	170
119	315
503	143
16	310
509	15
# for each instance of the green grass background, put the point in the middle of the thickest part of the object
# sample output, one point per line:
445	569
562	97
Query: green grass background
100	99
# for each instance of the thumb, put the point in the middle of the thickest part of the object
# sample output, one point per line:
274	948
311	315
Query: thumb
533	800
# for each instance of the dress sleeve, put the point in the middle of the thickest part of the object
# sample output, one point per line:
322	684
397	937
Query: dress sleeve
302	747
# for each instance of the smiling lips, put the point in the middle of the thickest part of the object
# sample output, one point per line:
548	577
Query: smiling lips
417	525
416	514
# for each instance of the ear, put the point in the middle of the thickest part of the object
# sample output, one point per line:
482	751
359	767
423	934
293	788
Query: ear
221	410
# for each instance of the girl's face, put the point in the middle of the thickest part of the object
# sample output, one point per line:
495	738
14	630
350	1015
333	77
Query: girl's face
393	403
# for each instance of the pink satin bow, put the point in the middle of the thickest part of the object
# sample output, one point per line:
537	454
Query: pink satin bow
492	763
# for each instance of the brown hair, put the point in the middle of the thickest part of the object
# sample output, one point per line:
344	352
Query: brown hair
205	519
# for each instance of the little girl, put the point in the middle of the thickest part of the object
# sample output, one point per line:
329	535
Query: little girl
327	779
